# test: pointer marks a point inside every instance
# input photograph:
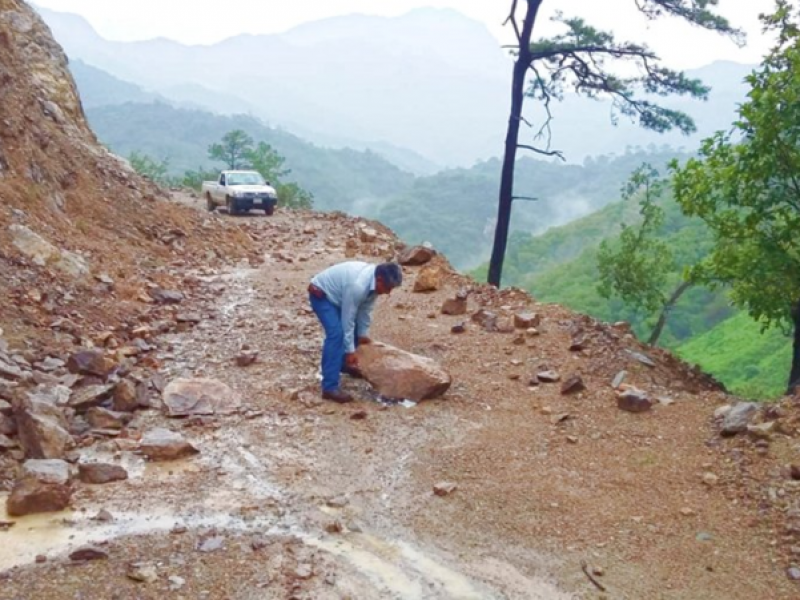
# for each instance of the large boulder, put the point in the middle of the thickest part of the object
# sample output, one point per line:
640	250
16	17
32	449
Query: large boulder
429	279
43	253
398	374
189	397
43	486
42	429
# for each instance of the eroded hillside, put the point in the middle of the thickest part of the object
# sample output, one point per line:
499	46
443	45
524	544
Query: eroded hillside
567	456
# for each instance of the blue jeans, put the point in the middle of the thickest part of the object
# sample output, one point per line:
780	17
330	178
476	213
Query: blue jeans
330	316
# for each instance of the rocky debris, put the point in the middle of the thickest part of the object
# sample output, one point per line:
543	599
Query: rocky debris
162	444
246	358
144	572
459	328
367	235
10	371
548	376
738	418
162	296
486	319
84	398
527	320
87	553
43	486
103	516
128	396
619	378
578	343
573	385
42	429
90	362
455	306
211	544
191	397
429	279
398	374
101	473
416	255
761	431
444	488
45	254
633	400
642	358
102	418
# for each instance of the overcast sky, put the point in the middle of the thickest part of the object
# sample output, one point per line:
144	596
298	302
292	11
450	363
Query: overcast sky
207	22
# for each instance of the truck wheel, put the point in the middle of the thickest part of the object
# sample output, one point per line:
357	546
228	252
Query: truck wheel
210	206
231	204
270	210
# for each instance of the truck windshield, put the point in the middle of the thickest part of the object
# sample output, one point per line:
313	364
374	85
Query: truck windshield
245	179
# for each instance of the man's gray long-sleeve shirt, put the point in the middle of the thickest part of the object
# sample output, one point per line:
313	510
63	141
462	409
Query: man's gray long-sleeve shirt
351	287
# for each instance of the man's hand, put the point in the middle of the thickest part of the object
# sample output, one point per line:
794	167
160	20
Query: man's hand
364	340
350	360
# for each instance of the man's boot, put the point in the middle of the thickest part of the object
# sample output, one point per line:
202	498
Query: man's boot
337	396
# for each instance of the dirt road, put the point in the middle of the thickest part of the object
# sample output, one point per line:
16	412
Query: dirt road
296	498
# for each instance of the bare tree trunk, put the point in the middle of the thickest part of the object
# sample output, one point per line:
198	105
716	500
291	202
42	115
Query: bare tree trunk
667	308
794	376
506	199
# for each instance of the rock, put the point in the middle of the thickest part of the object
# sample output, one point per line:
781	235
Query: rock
87	553
101	418
304	571
367	235
416	255
397	374
738	418
8	426
126	396
642	358
548	376
5	407
144	572
6	443
526	320
176	582
193	318
84	398
761	431
166	296
104	516
190	397
444	488
458	328
44	254
90	362
455	306
42	430
573	385
486	319
633	400
43	486
429	279
163	444
245	359
793	573
722	411
99	473
10	371
618	379
578	343
710	479
211	544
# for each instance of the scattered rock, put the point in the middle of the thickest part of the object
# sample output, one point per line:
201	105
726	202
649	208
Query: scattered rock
416	255
400	375
429	279
455	306
163	444
126	396
486	319
618	379
549	376
42	429
245	359
793	573
87	553
761	431
633	400
573	385
102	418
642	358
710	479
368	235
166	296
43	253
144	572
90	362
738	418
104	516
527	320
190	397
211	544
101	473
444	488
43	486
458	328
93	395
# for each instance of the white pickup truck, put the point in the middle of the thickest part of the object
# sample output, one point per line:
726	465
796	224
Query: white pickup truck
239	191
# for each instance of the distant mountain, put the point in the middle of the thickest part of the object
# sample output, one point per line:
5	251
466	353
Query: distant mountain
432	81
98	88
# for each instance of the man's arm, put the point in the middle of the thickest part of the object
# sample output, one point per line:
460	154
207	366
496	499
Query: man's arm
364	317
350	303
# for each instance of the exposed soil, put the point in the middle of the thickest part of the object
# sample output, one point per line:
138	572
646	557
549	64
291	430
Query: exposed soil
344	507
